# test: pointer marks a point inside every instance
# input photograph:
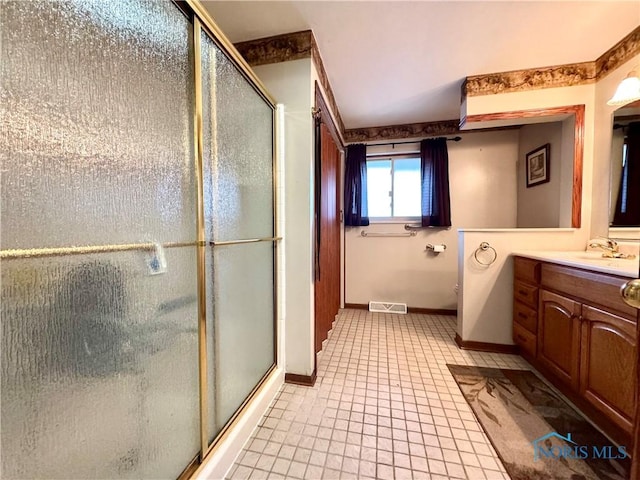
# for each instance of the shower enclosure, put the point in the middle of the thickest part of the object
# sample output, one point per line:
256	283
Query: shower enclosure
137	240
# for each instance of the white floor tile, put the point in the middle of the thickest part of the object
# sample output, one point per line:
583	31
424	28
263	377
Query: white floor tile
384	406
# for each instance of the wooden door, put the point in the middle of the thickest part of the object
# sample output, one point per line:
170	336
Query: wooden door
607	368
559	336
327	284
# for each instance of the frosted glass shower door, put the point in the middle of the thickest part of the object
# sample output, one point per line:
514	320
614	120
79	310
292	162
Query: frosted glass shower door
239	219
99	360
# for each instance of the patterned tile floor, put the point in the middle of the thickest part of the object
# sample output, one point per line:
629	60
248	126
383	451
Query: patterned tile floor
384	406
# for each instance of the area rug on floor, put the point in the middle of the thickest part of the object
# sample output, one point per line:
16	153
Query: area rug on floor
537	435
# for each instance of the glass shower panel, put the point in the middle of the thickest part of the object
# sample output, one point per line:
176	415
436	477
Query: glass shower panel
96	102
99	366
238	151
243	298
238	199
212	388
99	352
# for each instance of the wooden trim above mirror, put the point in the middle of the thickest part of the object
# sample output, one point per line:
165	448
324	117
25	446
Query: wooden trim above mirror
578	148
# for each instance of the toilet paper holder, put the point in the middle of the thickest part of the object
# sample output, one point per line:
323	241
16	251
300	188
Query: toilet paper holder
436	248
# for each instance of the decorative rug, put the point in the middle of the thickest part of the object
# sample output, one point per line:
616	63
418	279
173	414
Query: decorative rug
536	434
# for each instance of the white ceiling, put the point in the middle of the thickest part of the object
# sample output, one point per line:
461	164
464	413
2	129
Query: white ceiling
395	62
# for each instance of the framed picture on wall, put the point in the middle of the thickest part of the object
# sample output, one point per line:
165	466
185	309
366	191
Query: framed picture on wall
537	166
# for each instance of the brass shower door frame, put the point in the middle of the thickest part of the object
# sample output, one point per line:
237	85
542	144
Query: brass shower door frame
202	22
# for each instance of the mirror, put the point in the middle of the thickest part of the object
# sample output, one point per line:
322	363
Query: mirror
624	201
556	200
544	198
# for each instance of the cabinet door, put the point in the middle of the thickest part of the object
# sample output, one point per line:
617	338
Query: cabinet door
608	364
559	336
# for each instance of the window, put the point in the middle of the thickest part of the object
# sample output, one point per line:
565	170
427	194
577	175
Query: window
394	190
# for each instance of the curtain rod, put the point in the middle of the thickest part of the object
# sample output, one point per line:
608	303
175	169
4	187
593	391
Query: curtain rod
452	139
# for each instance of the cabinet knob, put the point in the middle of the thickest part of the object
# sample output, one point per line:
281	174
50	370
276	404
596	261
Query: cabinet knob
630	292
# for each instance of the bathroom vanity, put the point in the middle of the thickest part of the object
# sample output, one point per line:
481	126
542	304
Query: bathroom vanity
570	323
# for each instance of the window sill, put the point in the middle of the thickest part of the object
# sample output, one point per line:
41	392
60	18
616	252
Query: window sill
410	221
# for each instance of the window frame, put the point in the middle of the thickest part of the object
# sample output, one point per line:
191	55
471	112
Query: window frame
393	158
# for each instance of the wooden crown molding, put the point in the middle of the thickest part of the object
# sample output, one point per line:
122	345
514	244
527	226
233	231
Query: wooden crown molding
288	47
568	75
324	115
324	83
409	130
531	79
298	45
413	130
621	52
277	49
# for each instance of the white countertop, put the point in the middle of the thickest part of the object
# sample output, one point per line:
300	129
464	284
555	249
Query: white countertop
588	260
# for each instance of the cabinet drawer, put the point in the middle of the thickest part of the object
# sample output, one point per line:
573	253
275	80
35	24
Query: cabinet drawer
598	288
525	293
525	340
526	269
525	316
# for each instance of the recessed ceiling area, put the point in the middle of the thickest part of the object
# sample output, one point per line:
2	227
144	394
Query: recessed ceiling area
397	62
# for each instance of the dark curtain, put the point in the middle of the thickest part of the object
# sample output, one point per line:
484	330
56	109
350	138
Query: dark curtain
434	169
628	203
355	186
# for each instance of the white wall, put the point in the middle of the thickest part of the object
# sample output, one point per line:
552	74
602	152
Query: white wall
485	306
288	82
566	171
482	169
539	205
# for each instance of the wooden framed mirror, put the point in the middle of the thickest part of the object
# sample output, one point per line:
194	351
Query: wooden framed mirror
543	115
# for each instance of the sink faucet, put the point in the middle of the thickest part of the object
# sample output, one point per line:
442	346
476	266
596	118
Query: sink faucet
607	245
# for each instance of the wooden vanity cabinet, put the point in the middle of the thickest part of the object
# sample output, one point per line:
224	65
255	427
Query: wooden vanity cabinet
583	339
608	364
525	306
559	336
